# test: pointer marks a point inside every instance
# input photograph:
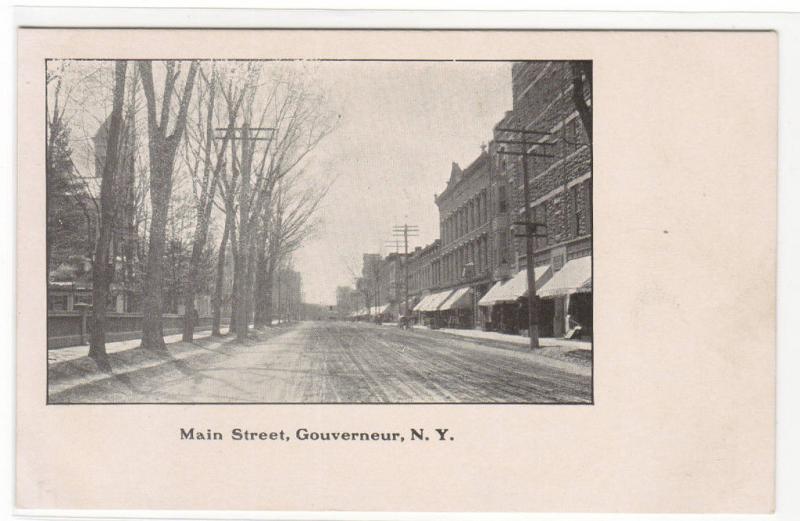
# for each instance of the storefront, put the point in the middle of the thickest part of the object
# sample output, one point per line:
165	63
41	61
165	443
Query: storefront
457	310
570	291
372	313
489	312
506	303
429	306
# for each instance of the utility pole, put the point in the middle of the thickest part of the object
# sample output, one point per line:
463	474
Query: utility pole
405	231
529	226
394	244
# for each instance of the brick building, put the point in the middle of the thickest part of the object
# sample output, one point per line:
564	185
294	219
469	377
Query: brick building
544	100
423	271
475	273
392	285
465	227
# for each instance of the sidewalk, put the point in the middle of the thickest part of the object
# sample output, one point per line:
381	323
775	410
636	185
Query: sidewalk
65	354
572	351
514	339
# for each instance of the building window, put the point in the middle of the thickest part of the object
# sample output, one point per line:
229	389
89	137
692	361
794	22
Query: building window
502	246
502	202
57	302
558	262
576	208
540	218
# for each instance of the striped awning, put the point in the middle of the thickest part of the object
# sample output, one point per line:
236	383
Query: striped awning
494	292
422	303
574	277
436	300
517	287
460	298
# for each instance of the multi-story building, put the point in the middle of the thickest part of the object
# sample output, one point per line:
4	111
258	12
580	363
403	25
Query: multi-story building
423	271
287	294
465	228
392	284
560	180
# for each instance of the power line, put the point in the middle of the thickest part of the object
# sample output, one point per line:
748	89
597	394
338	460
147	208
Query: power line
405	231
531	228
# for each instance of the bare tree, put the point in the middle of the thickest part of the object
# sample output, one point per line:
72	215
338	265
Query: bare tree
281	123
287	223
217	300
162	148
102	269
206	162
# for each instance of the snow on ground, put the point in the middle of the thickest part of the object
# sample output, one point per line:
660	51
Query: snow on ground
73	353
514	339
331	362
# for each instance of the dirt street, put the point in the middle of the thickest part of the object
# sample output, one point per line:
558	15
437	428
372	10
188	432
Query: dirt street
324	362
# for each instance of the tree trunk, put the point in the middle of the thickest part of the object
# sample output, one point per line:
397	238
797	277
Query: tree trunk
269	285
152	300
190	288
102	269
162	149
237	304
251	280
264	267
240	267
217	304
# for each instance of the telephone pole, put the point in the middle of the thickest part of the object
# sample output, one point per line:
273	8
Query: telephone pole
405	231
530	227
395	244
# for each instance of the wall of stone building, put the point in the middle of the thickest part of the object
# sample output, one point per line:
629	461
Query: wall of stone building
501	206
465	219
421	270
561	186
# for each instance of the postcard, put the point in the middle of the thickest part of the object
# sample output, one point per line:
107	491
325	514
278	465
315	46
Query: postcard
396	270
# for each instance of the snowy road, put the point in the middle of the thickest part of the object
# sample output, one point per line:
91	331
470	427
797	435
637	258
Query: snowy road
324	362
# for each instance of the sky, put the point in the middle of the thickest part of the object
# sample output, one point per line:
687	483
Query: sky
401	126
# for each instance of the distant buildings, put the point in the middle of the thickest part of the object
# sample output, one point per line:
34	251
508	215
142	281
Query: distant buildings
348	302
287	295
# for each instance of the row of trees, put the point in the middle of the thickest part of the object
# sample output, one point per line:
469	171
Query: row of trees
234	136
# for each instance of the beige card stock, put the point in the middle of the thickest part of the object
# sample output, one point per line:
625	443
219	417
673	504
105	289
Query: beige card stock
684	251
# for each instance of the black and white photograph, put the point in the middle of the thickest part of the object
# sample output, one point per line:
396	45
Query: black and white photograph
319	231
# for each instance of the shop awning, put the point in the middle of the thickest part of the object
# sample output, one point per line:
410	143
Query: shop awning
379	310
459	299
422	303
436	300
517	287
574	277
494	292
372	310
